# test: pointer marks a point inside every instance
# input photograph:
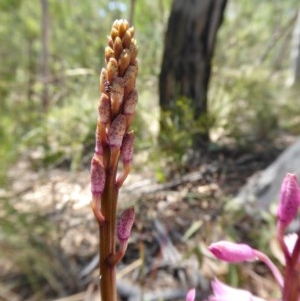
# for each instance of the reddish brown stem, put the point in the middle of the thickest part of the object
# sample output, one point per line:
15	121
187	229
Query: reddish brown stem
291	288
107	235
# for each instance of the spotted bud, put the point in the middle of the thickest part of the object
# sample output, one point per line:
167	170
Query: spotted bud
116	94
97	177
289	200
125	224
117	131
124	61
127	147
104	109
131	102
112	69
103	80
130	78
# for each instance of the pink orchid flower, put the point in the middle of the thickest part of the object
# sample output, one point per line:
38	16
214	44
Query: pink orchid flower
223	292
191	295
290	245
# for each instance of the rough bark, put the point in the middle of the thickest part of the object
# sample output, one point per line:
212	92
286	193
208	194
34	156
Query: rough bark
189	45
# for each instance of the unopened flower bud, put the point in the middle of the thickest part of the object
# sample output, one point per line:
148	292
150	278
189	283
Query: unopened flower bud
114	33
130	78
110	41
124	25
127	147
117	131
125	223
103	80
104	108
124	61
289	200
116	94
126	40
112	69
109	53
117	47
131	30
133	49
97	177
116	24
232	252
131	102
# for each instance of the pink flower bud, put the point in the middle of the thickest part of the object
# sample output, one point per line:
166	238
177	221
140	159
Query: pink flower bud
131	102
125	223
97	177
232	252
104	108
127	147
191	295
117	131
289	200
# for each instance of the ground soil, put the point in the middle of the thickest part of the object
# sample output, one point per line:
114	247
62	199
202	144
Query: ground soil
175	222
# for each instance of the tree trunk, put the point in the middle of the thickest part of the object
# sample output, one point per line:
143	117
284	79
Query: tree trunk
296	52
189	45
131	12
45	54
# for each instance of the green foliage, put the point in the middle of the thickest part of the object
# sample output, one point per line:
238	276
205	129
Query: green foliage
61	135
245	107
248	94
24	238
178	127
179	130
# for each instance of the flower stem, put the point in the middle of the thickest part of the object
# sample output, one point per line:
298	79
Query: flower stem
291	288
107	235
268	262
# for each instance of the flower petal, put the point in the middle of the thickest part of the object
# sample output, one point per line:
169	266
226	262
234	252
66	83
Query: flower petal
191	295
223	292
